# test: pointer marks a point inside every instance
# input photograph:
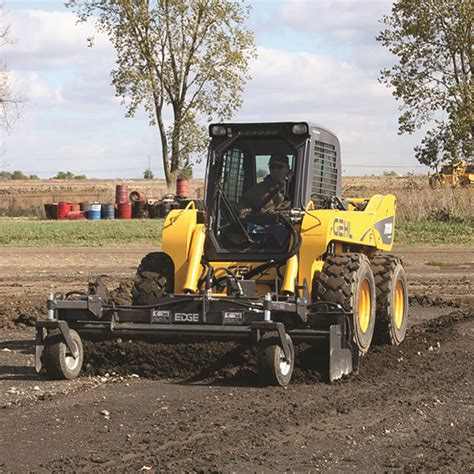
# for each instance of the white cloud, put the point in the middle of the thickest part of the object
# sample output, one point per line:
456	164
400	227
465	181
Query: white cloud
344	28
52	40
74	122
334	93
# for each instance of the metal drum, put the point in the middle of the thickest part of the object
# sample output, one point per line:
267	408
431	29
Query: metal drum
108	211
94	212
121	193
125	210
138	209
182	188
137	196
76	215
51	210
84	206
63	210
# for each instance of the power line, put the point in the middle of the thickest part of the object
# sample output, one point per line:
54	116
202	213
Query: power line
383	166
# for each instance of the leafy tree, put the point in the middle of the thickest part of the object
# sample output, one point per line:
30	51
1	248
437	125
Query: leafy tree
33	176
10	102
17	174
433	78
189	57
64	175
80	176
5	175
148	174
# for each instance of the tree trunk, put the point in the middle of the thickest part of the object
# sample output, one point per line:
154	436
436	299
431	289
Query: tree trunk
164	142
175	140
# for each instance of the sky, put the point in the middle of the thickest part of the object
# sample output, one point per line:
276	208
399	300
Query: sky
318	61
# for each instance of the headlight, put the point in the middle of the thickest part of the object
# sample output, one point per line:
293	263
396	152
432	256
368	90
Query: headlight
299	128
218	131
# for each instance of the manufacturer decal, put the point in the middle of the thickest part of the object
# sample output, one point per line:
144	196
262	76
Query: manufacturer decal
342	228
233	317
186	317
159	316
241	270
385	229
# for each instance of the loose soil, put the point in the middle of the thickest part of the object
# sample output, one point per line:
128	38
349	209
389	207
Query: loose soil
143	406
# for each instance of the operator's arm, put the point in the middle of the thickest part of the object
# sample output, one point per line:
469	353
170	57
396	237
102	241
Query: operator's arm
250	201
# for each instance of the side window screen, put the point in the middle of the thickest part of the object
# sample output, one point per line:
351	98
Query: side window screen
325	173
232	174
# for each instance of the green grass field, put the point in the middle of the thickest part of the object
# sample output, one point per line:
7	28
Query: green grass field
434	233
81	233
148	232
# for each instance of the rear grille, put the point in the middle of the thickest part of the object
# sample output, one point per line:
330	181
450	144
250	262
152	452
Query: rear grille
324	184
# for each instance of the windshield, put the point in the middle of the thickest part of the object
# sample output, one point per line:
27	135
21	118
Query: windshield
254	187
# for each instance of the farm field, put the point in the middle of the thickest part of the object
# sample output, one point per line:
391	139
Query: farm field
142	406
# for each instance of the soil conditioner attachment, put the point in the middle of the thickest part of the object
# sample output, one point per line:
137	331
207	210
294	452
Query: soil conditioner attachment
273	256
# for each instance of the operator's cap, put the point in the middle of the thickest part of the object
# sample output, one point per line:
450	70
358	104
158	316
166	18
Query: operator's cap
279	158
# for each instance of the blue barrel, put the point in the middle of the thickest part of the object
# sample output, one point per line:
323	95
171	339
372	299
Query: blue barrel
108	211
94	212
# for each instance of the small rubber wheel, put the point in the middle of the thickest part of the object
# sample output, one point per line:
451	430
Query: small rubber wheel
154	278
347	279
57	360
273	368
392	300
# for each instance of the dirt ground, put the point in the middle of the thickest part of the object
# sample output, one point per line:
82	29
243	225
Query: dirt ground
143	406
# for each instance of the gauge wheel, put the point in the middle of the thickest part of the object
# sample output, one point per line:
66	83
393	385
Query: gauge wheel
347	279
392	300
57	359
273	368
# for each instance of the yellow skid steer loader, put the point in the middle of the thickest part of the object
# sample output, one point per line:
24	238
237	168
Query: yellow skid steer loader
273	259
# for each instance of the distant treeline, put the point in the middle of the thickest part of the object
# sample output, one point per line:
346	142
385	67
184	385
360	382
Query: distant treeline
17	174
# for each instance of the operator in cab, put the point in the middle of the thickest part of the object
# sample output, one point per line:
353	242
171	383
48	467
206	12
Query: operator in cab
260	205
268	196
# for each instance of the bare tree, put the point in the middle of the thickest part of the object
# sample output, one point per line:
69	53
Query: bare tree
10	101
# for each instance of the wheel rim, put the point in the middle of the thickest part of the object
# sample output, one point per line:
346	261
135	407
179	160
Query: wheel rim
365	306
399	304
69	360
284	365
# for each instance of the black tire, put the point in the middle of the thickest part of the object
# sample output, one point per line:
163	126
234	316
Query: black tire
392	300
347	279
57	360
154	278
271	365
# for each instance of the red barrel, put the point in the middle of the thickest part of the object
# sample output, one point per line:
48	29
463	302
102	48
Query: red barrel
75	207
182	187
124	210
137	196
63	210
121	193
76	215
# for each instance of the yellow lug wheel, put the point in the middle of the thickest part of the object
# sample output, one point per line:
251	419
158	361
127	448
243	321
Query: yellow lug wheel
347	279
392	300
365	303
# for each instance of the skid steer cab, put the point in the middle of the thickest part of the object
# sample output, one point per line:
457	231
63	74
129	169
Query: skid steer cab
276	258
